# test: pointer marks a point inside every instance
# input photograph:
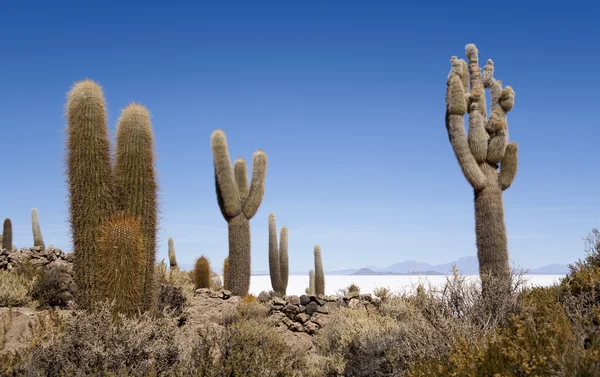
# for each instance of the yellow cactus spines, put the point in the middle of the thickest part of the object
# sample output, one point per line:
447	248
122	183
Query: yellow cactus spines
319	274
136	183
478	155
238	204
201	273
121	264
90	182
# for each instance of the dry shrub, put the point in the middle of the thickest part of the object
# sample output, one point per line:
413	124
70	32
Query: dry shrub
175	289
14	289
53	287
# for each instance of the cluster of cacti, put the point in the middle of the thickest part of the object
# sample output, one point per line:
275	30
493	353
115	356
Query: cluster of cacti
202	273
319	274
121	263
38	240
97	191
278	257
238	204
172	256
480	154
7	234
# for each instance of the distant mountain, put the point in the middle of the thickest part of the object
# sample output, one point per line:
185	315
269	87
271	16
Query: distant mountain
551	269
367	271
408	267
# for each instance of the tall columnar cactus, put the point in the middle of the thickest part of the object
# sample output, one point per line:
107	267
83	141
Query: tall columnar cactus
226	273
7	235
172	256
38	240
319	274
238	204
201	274
90	181
136	183
480	154
311	282
121	264
278	257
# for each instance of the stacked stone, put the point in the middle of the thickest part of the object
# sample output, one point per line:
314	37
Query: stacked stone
37	256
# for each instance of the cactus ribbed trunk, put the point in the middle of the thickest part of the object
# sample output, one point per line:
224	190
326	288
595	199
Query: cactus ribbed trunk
274	266
7	234
492	248
238	276
172	255
38	240
284	268
311	282
226	273
319	274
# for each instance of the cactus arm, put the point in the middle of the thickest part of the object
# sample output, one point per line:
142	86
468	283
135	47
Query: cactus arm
478	137
257	187
509	165
274	263
228	194
455	110
241	177
476	79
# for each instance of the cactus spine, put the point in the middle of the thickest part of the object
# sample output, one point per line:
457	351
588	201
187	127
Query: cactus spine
238	204
202	278
91	191
121	264
38	240
311	282
7	235
225	272
136	183
479	154
319	274
172	256
278	257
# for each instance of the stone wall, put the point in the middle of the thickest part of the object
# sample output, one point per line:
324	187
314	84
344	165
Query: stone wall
37	256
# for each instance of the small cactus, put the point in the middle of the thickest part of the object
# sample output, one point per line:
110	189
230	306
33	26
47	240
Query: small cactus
319	274
278	257
121	264
238	204
7	235
172	256
202	278
38	240
311	282
225	272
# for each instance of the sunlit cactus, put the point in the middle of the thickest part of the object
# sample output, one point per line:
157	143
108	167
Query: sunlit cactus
311	282
201	274
7	235
238	204
136	184
482	153
319	274
278	257
90	182
121	264
172	256
38	240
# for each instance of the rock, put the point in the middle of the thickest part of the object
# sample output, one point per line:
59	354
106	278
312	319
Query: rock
301	308
278	302
353	303
203	291
327	308
290	311
310	327
365	297
264	296
304	299
311	308
69	257
351	295
320	300
302	317
319	319
331	298
296	327
215	281
294	300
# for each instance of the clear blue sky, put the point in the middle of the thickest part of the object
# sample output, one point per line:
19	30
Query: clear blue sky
347	100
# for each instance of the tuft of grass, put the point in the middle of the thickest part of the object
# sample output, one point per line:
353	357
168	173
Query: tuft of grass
14	289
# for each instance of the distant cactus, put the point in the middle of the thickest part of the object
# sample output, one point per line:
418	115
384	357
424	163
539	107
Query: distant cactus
225	272
121	264
202	278
172	256
278	257
90	181
479	154
238	205
319	274
136	183
311	282
7	235
38	240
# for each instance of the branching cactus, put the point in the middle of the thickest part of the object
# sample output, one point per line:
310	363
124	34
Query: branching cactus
319	274
238	204
121	264
38	240
201	274
136	183
7	235
172	256
90	181
481	153
278	257
311	282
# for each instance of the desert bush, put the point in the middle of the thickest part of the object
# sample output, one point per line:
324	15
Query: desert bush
53	287
382	292
14	289
175	289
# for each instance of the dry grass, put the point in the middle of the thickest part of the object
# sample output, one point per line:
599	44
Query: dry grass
14	289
